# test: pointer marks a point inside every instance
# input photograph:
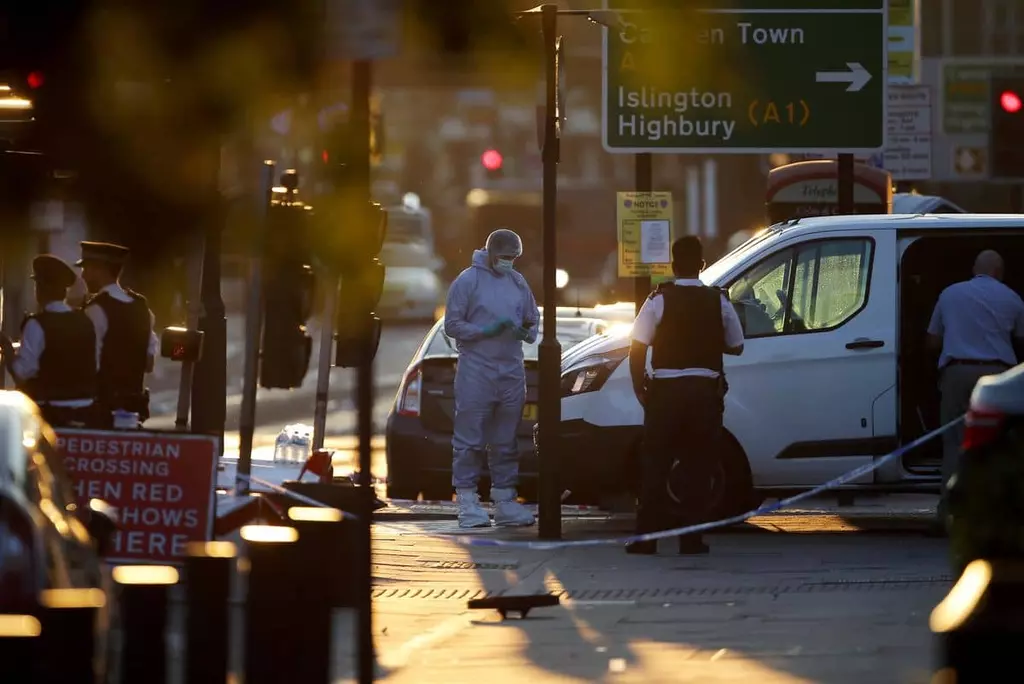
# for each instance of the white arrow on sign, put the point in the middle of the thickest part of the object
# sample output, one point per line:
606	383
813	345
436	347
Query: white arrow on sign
857	76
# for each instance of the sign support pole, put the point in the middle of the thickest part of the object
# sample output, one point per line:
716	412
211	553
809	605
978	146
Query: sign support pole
845	184
643	181
323	369
362	75
550	351
253	328
194	266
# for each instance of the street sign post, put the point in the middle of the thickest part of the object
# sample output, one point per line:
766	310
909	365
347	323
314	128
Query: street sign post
765	76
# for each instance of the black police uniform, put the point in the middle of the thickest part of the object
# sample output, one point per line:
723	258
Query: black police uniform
683	415
67	366
124	357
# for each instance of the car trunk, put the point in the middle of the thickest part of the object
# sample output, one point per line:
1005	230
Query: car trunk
928	266
437	395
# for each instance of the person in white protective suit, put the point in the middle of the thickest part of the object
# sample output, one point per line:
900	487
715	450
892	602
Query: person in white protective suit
490	311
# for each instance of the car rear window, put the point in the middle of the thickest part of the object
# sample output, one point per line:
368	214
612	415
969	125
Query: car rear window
570	334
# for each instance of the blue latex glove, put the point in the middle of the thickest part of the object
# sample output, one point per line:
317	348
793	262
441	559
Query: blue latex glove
522	334
495	329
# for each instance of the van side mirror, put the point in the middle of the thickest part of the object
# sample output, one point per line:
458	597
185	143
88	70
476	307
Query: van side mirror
101	523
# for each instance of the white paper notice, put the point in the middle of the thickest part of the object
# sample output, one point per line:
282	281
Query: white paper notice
655	242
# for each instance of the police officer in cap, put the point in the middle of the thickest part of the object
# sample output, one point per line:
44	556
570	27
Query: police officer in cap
690	326
126	345
56	363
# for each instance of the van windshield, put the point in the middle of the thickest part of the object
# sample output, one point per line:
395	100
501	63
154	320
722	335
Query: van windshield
714	273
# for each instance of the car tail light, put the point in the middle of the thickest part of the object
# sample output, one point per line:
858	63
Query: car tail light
409	393
982	427
19	576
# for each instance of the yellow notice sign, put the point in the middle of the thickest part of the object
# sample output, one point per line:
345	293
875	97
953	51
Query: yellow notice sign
645	233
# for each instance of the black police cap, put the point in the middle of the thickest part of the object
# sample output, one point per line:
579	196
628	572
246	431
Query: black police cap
105	252
50	269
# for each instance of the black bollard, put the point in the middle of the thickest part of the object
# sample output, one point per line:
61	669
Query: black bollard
980	624
69	618
319	556
326	545
273	626
19	643
209	567
143	603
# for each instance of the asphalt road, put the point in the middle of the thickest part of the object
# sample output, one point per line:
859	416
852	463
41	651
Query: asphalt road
275	408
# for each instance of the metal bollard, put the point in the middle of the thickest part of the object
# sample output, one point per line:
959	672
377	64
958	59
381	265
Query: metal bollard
209	567
69	618
273	627
19	643
143	603
980	623
331	543
319	554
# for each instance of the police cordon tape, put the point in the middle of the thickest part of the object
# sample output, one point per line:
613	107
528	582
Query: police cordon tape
766	509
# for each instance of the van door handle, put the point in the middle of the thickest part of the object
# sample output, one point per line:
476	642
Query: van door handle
864	343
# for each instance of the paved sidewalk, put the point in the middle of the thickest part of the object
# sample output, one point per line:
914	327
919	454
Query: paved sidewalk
770	607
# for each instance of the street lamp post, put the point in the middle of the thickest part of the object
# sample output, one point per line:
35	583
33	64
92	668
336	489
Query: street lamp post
550	353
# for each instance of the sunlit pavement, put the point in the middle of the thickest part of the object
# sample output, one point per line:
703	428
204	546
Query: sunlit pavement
819	593
775	608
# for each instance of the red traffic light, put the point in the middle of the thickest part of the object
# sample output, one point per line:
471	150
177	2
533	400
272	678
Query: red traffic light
35	80
1010	102
325	157
492	160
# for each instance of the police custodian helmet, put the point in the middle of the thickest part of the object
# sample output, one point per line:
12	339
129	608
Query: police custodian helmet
52	270
104	252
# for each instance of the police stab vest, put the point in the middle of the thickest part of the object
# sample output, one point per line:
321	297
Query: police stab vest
690	334
67	366
123	359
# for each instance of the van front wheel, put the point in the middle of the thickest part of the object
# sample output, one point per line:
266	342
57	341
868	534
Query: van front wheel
732	489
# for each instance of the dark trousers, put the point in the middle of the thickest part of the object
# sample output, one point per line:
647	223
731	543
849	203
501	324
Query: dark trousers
682	426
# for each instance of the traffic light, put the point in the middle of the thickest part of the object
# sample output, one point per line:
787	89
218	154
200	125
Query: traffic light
362	284
493	163
1006	139
287	288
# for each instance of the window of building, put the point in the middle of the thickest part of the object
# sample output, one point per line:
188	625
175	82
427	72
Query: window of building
968	23
1004	26
931	28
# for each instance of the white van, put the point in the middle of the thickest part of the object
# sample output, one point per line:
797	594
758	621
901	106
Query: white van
834	372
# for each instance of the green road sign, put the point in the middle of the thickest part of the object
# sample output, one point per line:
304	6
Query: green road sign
763	76
965	83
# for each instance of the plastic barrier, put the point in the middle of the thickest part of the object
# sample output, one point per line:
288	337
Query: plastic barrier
767	509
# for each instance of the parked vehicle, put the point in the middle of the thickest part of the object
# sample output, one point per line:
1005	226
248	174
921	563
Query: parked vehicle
835	372
419	426
46	540
986	520
912	203
412	288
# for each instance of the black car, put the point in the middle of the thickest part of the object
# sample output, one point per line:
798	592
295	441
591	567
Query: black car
419	427
46	541
985	516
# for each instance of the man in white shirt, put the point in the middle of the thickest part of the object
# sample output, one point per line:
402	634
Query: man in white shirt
126	344
690	326
978	329
56	362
